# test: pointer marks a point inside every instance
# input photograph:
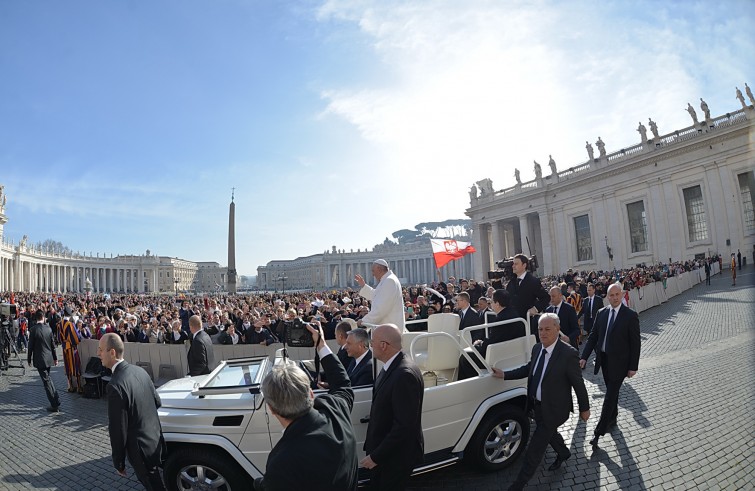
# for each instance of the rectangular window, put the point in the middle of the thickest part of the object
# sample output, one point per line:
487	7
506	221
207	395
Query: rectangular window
745	192
697	226
584	240
638	228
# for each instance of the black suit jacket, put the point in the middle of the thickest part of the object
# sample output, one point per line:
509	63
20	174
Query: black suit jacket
343	356
362	373
200	354
560	376
527	295
499	334
41	349
471	318
567	318
591	314
317	451
394	435
623	346
133	424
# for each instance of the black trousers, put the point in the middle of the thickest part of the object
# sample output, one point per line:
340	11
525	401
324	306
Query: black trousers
543	436
391	475
610	409
147	474
52	394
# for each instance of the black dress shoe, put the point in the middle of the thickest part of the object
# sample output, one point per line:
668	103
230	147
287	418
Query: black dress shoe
594	441
557	463
53	409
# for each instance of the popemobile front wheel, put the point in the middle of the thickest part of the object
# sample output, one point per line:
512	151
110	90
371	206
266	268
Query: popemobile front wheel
499	440
198	469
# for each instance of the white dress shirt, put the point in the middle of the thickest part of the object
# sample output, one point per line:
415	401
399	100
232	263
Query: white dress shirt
548	353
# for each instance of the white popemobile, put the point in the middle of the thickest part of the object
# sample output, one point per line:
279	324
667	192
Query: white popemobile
219	432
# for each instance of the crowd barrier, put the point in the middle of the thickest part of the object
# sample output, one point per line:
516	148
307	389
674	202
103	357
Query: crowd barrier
640	299
175	355
648	296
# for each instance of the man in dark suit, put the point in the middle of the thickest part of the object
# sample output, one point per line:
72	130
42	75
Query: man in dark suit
42	354
616	340
394	442
469	316
590	307
551	374
358	347
342	331
496	334
318	449
567	316
527	293
483	307
133	425
200	355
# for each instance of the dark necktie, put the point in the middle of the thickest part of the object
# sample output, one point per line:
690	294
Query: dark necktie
379	378
520	282
352	366
538	374
608	329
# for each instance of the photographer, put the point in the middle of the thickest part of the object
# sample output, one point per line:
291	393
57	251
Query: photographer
318	449
527	293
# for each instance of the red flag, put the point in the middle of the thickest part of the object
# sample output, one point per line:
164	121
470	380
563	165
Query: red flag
447	250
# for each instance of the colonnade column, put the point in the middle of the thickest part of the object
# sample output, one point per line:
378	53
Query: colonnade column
545	234
524	233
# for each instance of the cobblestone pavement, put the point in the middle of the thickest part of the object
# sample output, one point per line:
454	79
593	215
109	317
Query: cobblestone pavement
686	421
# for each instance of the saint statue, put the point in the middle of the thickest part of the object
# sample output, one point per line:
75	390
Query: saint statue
692	113
704	107
538	170
473	193
643	132
552	164
653	128
601	147
749	94
741	98
517	177
3	198
590	152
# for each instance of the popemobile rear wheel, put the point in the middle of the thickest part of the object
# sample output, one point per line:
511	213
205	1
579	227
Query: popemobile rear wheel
499	440
198	469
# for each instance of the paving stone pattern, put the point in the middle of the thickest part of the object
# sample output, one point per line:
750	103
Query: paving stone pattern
686	421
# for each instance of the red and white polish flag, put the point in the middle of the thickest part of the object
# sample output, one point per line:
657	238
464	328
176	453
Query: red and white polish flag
447	250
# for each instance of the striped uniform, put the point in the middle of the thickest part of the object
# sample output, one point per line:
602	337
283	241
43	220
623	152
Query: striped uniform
70	340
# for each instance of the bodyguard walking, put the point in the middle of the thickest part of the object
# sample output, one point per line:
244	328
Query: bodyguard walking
42	352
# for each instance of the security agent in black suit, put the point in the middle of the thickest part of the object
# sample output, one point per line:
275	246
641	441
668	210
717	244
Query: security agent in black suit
201	355
551	374
496	334
318	448
133	425
616	340
468	316
358	347
527	293
591	304
394	442
42	351
567	316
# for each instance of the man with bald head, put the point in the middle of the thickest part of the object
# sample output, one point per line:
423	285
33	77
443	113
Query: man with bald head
615	337
387	301
200	355
394	442
133	425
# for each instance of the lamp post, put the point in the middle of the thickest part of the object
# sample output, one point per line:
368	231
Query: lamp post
176	282
283	279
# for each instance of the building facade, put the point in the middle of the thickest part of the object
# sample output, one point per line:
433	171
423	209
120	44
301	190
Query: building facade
413	263
671	197
26	267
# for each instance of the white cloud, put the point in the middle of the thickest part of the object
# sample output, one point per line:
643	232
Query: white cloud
475	89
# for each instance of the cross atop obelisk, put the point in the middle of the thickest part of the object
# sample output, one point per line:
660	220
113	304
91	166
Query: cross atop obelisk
232	244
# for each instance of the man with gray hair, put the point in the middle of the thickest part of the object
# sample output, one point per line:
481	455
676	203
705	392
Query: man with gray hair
358	347
318	440
387	301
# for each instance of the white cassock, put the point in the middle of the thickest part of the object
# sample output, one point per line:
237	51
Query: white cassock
387	302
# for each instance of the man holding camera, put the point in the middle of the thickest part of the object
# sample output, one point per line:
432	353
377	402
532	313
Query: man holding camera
318	440
527	293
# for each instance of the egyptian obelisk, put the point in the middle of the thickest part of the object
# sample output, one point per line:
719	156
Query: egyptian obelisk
232	246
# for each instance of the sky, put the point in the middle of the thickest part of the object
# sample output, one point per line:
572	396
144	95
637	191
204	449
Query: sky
124	125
